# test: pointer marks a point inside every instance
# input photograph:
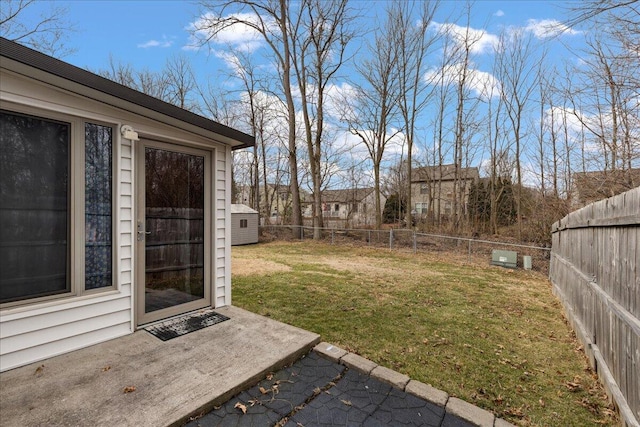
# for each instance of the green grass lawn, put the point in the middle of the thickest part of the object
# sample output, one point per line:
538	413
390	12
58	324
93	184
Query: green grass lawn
493	337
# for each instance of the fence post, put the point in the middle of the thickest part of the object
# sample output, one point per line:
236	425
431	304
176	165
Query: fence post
301	233
415	246
391	238
332	236
369	241
469	253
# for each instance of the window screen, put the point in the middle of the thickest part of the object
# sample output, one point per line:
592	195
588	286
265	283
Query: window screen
34	203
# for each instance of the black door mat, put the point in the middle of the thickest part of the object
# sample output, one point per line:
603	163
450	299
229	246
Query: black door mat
186	324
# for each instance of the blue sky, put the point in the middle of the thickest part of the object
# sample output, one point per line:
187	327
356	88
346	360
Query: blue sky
146	33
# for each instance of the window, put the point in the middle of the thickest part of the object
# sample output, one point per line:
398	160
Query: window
47	178
337	207
243	223
34	203
97	206
424	188
422	208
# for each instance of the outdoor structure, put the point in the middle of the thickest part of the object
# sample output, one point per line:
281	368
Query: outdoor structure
115	208
589	187
595	259
244	225
350	207
432	189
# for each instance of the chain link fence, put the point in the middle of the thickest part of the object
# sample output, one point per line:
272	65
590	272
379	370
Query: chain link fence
459	248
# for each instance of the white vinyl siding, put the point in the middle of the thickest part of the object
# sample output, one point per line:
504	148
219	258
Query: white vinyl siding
222	231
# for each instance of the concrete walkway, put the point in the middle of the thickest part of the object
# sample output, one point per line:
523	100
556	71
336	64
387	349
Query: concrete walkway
166	381
139	380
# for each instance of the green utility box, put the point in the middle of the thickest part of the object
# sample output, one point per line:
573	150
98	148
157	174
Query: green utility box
507	259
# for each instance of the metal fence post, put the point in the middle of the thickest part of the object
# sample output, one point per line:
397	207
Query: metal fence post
469	254
391	238
415	245
332	236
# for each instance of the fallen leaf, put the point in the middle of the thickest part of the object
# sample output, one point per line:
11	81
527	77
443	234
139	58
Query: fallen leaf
270	376
573	386
129	389
106	368
263	390
39	369
541	402
240	406
346	402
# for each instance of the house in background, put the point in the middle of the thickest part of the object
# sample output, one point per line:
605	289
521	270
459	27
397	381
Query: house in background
115	208
589	187
350	207
433	187
244	225
275	202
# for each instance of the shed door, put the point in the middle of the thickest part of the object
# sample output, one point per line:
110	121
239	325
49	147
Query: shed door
173	230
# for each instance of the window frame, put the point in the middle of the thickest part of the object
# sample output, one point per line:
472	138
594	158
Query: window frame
76	203
244	223
421	208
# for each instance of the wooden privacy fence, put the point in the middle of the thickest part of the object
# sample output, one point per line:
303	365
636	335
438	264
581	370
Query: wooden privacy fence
595	258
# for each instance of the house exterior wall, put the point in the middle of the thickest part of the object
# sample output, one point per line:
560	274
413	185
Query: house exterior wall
437	197
353	213
38	330
275	202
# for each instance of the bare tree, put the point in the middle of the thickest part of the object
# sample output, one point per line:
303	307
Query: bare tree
517	71
271	20
414	44
606	105
180	82
144	80
46	33
374	109
465	124
319	41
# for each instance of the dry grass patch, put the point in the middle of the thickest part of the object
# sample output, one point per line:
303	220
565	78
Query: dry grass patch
493	337
247	267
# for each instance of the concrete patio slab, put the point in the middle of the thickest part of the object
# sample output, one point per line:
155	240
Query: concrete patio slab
143	381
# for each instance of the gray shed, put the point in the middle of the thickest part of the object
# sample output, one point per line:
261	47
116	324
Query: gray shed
244	225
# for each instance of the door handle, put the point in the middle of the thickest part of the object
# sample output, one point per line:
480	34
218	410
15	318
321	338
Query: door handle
141	231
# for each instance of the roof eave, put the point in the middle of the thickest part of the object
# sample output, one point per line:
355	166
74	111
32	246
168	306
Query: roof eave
24	60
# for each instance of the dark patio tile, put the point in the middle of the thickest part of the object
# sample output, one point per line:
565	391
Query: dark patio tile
292	386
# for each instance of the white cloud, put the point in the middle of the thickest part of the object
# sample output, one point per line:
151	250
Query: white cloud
480	41
499	13
545	28
482	84
240	35
164	43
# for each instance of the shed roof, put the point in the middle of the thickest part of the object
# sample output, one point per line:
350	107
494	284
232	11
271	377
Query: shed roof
240	208
23	60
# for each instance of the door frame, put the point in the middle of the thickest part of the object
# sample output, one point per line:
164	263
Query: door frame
140	316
